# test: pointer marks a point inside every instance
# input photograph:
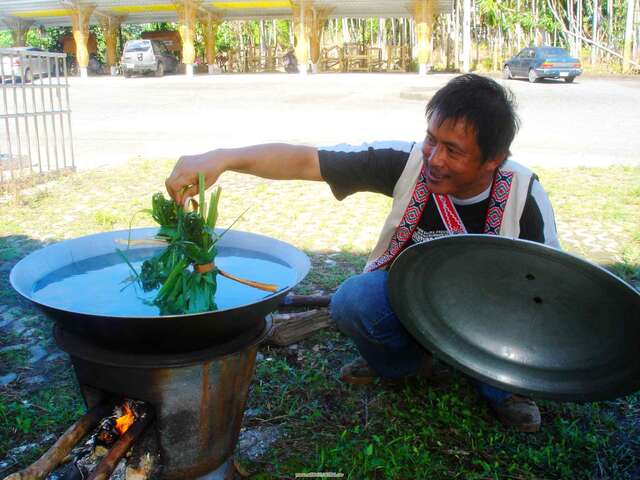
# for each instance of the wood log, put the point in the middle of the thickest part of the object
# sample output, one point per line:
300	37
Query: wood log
293	327
108	464
54	456
306	301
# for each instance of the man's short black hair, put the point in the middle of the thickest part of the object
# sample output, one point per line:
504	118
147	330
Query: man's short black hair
483	105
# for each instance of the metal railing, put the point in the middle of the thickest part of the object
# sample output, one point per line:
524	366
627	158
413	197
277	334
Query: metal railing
35	115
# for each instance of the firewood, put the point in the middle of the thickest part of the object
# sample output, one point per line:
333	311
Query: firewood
54	456
306	301
105	468
290	328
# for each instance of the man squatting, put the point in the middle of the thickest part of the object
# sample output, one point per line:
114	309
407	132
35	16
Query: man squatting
458	180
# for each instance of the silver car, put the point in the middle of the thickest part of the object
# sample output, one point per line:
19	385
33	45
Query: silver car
20	66
147	56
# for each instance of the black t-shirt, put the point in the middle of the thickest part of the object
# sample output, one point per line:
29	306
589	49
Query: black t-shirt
378	170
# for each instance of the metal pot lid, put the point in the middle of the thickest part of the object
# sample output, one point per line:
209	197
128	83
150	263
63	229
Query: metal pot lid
521	316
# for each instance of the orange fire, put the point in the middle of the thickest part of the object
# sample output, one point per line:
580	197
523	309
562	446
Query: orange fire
126	420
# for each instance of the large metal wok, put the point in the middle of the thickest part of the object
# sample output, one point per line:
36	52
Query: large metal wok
521	316
153	333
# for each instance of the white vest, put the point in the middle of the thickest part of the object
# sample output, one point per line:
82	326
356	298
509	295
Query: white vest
403	191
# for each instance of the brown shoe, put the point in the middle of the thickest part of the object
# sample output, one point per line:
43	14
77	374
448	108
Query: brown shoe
359	372
518	412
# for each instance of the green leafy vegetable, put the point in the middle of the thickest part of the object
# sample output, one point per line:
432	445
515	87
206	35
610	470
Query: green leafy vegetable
184	271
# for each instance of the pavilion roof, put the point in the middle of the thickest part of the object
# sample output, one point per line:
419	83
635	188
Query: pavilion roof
57	12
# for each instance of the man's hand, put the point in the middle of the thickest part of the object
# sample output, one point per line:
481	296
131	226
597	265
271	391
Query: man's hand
183	181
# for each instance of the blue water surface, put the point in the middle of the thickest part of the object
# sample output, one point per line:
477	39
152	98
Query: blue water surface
102	285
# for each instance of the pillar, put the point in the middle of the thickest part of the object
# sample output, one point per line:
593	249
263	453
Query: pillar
187	16
302	16
111	32
19	28
423	17
318	17
80	16
210	23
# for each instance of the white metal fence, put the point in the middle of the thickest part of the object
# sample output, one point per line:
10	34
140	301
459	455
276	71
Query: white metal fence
35	115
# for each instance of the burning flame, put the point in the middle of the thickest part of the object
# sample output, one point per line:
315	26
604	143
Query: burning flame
126	420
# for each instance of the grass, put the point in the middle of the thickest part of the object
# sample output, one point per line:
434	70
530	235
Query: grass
425	430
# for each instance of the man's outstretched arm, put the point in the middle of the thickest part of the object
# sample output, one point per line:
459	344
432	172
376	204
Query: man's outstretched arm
278	161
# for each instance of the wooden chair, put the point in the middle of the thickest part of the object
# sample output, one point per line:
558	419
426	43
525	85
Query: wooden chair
270	59
375	60
237	60
399	58
331	59
254	60
355	59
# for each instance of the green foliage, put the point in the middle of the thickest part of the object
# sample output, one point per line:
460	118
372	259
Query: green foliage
191	242
6	40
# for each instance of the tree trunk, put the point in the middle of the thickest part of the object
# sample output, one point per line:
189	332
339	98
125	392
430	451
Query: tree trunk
594	34
628	36
261	33
382	35
456	35
518	28
292	36
345	30
610	18
466	35
579	28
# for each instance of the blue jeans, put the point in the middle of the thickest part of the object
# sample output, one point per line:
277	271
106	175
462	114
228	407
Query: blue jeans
362	311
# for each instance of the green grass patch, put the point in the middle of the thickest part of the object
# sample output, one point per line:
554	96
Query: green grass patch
426	430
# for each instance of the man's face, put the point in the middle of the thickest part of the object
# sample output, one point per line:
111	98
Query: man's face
452	155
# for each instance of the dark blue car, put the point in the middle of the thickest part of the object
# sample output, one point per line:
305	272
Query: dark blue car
543	62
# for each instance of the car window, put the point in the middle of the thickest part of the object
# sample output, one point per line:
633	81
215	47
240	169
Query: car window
554	52
137	46
523	53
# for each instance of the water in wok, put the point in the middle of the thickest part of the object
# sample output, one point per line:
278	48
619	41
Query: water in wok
85	286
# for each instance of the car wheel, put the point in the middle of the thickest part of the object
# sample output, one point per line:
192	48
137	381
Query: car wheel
28	76
569	79
506	73
126	74
533	76
160	70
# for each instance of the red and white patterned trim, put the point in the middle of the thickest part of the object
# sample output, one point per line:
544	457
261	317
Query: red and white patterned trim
408	224
498	200
449	214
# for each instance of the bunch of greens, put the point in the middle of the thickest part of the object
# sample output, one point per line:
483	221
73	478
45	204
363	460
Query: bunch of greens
184	271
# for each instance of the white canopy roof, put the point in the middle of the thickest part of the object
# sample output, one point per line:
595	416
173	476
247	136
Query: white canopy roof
57	12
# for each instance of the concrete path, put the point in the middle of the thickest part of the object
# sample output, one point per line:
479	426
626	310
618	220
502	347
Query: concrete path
592	122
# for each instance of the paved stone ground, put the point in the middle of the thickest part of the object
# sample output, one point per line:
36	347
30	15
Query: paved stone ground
591	122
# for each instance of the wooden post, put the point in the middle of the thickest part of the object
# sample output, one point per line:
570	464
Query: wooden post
19	28
302	27
80	16
111	32
318	17
187	14
422	11
211	23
